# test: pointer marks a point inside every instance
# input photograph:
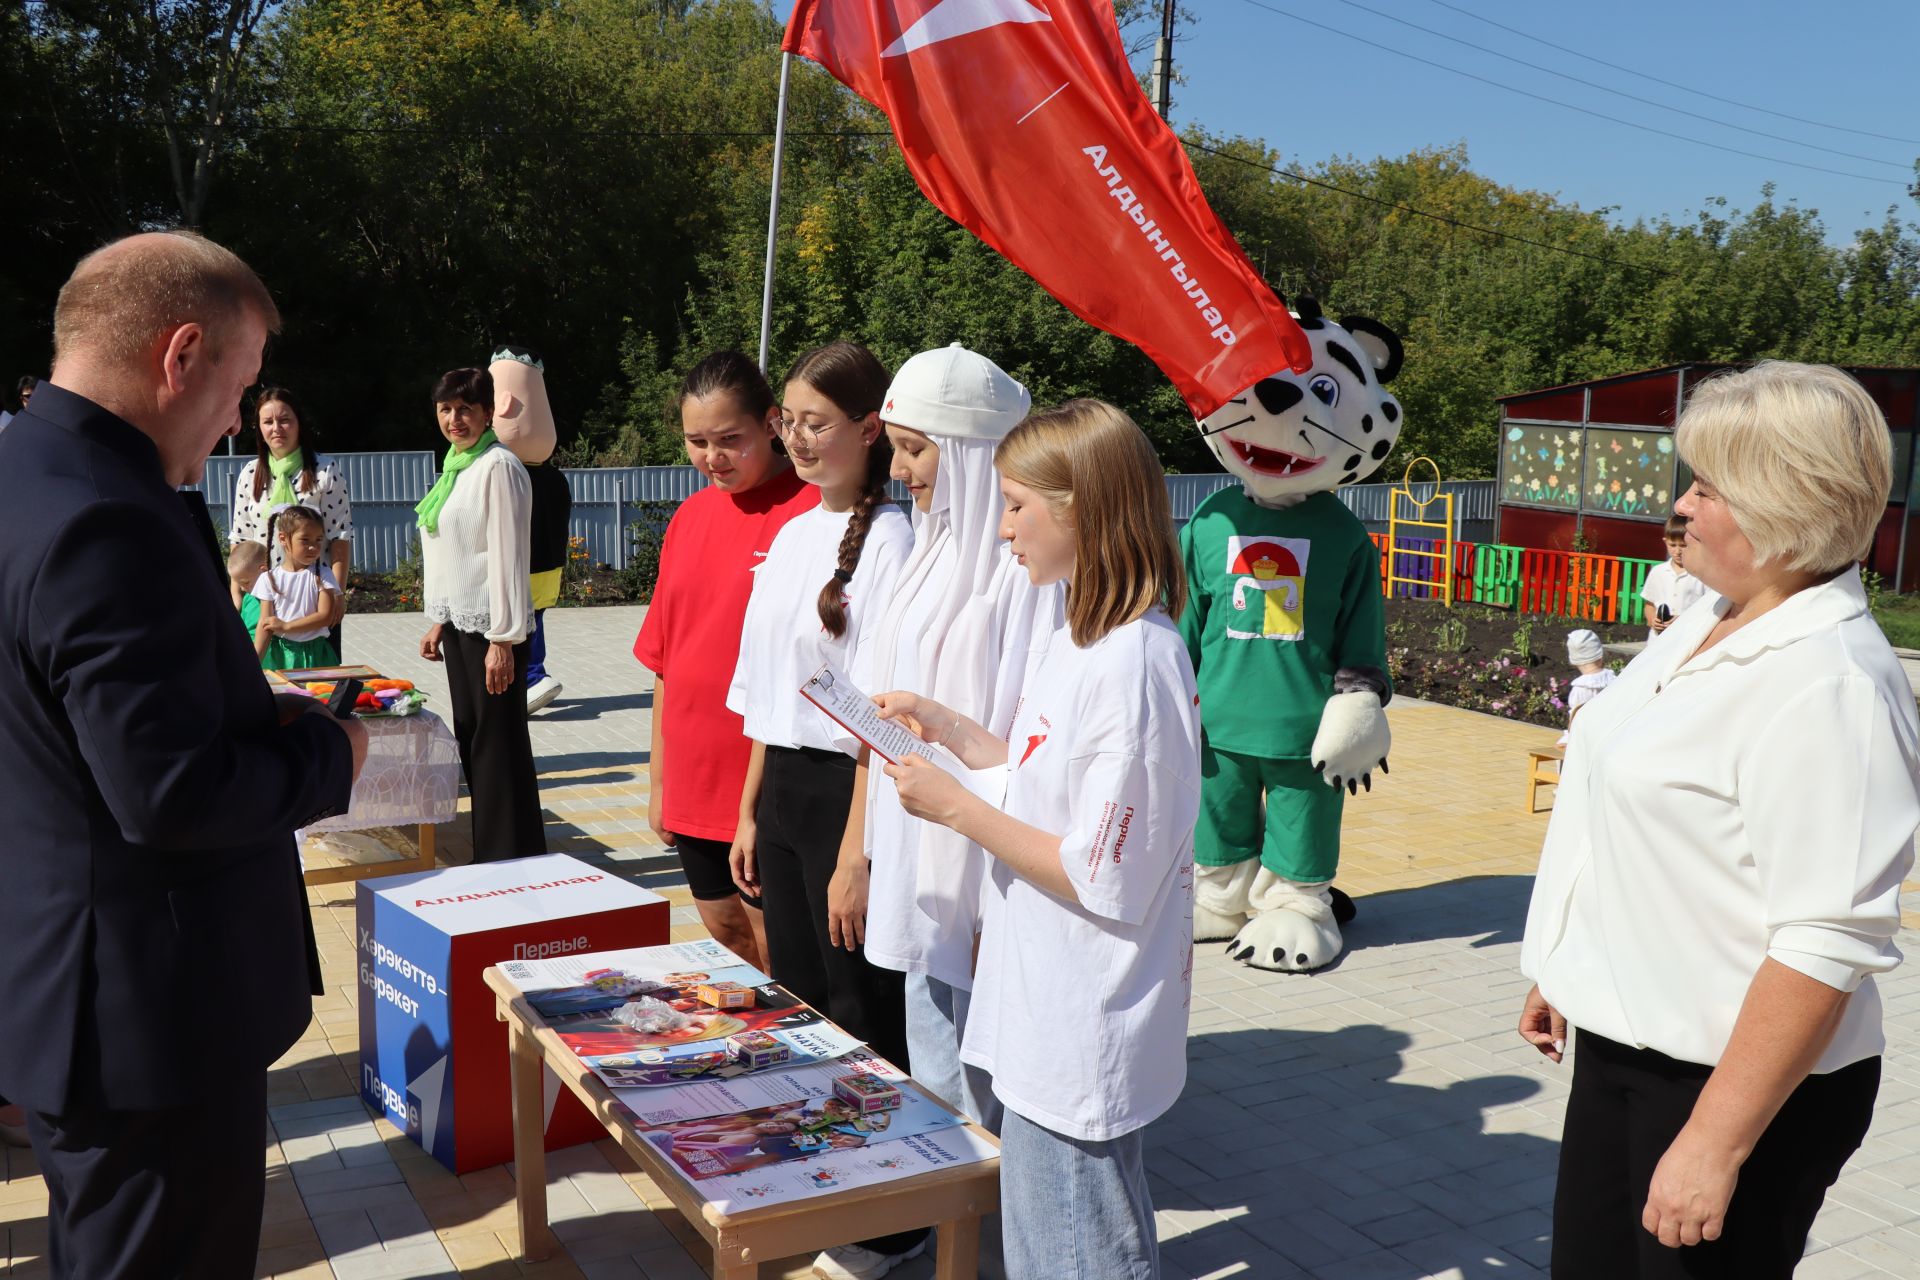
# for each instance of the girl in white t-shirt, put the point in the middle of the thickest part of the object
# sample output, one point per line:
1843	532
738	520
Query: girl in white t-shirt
1084	979
300	602
816	598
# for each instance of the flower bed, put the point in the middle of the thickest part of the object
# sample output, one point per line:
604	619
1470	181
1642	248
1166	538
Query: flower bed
1492	660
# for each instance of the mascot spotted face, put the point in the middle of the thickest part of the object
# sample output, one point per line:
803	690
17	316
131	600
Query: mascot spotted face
1287	633
1295	434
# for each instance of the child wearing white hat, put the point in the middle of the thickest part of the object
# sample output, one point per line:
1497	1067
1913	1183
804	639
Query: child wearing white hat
1584	653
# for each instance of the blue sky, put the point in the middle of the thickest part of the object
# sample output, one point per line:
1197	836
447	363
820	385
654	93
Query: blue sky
1313	94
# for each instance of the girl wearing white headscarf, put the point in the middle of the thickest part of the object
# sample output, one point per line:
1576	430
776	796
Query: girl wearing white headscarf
962	625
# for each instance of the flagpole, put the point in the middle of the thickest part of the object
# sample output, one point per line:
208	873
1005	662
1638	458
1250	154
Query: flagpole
773	208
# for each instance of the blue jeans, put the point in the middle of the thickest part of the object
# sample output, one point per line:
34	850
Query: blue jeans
1075	1210
537	649
936	1018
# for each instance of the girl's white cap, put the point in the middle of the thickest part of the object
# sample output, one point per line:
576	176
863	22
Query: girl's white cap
951	391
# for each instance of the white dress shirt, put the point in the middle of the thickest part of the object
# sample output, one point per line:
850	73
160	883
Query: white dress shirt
1756	801
475	567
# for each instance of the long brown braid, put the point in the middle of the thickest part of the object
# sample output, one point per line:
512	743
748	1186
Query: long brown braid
853	378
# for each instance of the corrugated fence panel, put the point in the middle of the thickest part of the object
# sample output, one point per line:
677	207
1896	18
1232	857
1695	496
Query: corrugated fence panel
608	501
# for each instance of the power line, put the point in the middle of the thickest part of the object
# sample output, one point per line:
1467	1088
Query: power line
1621	93
1539	97
447	130
1423	213
1674	84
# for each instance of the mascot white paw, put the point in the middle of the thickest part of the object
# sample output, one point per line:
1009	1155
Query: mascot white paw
1220	899
1292	929
1352	741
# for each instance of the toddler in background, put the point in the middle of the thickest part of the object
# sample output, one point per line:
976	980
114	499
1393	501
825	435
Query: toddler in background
246	561
1668	583
1585	653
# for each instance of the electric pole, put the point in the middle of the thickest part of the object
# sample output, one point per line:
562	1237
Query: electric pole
1163	60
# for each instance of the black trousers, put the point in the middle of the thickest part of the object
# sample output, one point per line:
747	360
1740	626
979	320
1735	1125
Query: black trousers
496	751
804	795
157	1195
1626	1107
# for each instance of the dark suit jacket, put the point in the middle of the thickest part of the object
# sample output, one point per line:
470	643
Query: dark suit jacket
152	918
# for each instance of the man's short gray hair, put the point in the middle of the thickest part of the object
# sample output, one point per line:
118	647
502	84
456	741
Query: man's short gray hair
125	294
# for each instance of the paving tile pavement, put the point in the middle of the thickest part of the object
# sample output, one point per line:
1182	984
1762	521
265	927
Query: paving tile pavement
1376	1120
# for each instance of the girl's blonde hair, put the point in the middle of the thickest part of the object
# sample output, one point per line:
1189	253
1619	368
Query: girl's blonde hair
1098	472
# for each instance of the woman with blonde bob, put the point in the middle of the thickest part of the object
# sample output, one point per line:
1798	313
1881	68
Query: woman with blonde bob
1080	995
1721	876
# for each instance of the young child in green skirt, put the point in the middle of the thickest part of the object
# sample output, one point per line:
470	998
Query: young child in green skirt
246	561
300	601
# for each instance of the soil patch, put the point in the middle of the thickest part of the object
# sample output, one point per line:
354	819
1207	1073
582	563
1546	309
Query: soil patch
1492	660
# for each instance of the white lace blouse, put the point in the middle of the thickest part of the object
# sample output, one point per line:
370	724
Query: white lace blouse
476	565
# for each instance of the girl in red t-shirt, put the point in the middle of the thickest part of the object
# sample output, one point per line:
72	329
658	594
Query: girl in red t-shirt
690	639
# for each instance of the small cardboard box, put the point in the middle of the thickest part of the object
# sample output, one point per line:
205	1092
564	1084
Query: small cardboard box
866	1093
756	1049
725	995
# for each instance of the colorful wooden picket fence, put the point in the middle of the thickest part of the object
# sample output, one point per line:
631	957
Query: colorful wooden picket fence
1582	585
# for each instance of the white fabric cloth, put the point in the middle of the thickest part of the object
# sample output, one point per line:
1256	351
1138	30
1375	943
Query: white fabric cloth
1080	1008
295	593
963	626
783	642
475	567
1675	588
328	496
412	775
1755	802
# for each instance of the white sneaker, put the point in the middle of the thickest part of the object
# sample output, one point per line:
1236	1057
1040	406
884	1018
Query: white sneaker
857	1262
543	693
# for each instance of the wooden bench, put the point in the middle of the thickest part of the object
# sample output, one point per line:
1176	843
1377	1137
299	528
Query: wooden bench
1539	775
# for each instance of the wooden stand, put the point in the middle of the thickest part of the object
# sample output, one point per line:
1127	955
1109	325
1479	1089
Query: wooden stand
421	861
950	1200
1539	775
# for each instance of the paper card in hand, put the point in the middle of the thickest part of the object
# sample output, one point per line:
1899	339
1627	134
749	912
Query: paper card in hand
830	690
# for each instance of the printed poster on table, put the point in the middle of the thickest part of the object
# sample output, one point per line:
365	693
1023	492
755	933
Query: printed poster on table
798	1126
579	996
844	1170
675	1065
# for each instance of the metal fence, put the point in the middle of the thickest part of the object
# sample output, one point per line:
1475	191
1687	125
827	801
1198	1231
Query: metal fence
609	501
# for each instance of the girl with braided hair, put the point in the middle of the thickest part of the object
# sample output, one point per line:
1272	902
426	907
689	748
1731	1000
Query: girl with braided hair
823	585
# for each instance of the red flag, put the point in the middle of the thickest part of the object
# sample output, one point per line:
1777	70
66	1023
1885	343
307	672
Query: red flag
1022	121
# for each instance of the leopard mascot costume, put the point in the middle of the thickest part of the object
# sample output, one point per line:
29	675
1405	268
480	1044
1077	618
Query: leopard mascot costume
1286	630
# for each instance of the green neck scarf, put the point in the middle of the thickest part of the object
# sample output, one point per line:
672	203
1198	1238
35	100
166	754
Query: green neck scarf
458	460
284	469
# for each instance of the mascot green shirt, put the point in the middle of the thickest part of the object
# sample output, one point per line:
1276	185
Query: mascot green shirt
1279	600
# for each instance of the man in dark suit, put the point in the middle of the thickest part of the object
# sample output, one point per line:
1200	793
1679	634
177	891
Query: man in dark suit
152	916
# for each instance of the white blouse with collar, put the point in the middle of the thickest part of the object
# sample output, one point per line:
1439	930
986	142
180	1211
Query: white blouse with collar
1756	801
475	567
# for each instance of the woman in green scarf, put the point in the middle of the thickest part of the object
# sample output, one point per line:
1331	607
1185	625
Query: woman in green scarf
474	529
289	469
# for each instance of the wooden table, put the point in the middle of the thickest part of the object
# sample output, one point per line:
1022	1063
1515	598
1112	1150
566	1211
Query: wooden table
950	1200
